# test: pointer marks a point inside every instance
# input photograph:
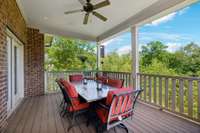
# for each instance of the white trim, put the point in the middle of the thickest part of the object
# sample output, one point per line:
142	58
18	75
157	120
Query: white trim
162	7
135	55
19	3
11	35
15	99
98	56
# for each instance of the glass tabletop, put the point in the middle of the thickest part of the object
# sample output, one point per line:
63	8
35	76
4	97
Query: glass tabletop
90	91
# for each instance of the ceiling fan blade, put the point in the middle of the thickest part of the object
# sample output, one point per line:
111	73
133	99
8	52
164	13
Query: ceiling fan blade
101	4
82	2
99	16
74	11
85	21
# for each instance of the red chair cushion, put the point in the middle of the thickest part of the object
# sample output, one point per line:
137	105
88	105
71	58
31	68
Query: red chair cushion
103	115
78	107
113	92
115	83
77	78
71	91
103	79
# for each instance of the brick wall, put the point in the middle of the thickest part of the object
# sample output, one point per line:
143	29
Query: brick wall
3	74
11	17
34	63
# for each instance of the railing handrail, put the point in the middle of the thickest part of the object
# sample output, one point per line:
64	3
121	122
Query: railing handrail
173	77
157	75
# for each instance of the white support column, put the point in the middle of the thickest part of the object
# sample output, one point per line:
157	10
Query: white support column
98	56
135	56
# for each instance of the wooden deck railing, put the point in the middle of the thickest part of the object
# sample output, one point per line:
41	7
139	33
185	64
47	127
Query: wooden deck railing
179	95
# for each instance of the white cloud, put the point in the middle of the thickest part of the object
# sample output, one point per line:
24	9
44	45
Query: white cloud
172	47
163	19
167	37
124	50
167	18
183	11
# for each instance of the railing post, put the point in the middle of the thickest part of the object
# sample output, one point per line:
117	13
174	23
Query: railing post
198	106
181	93
135	56
190	98
98	56
45	81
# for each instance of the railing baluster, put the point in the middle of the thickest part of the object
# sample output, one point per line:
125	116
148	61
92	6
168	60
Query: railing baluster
140	77
190	99
145	83
173	94
155	89
126	80
166	92
160	91
181	93
150	87
198	106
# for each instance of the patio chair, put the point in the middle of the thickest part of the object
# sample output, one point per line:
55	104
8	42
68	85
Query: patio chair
76	78
75	106
115	83
63	103
118	108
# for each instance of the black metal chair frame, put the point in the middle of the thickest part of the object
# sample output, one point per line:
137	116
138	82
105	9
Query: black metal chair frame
68	100
112	124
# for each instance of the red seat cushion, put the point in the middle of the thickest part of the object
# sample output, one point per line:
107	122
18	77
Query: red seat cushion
78	107
77	78
115	83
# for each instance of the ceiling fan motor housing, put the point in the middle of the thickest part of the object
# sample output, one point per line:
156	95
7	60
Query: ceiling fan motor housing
88	7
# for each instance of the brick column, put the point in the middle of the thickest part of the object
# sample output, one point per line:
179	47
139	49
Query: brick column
34	63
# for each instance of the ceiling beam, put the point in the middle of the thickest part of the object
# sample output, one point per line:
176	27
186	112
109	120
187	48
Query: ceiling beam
150	12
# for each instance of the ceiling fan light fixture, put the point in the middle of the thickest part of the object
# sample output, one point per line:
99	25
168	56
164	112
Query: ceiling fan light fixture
90	8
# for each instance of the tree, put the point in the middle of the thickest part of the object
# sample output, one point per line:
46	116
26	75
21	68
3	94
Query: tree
188	60
116	62
153	50
64	54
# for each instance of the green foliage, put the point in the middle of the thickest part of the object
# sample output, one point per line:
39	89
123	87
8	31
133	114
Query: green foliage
185	61
64	54
157	67
153	50
116	62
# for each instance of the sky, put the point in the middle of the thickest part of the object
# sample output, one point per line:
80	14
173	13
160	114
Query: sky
175	30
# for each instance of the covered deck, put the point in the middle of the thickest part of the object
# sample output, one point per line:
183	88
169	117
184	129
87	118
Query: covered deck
41	115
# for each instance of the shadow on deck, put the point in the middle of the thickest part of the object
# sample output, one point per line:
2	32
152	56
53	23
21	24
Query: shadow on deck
41	115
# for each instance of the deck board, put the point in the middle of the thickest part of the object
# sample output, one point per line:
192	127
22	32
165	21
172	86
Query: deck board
42	115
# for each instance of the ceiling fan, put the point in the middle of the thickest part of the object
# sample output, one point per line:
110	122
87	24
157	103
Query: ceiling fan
90	8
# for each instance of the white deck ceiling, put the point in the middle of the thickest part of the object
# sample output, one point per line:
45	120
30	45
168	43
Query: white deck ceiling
48	16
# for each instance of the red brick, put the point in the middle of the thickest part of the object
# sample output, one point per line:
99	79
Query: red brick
10	16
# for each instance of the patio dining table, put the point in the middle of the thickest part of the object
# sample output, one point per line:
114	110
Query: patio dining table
90	91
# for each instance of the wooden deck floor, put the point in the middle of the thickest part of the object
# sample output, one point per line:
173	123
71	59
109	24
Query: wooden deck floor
41	115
